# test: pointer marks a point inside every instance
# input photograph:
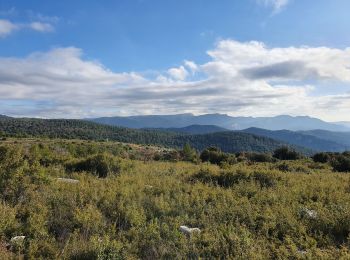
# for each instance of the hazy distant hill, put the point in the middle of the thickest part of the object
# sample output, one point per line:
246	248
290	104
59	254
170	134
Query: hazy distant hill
318	142
283	122
343	123
338	137
79	129
194	129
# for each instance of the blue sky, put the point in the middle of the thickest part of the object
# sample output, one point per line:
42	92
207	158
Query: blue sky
170	56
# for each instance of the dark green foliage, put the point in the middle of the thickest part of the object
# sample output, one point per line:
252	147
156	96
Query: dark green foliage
260	157
321	157
216	156
283	167
285	153
100	165
189	154
228	179
341	163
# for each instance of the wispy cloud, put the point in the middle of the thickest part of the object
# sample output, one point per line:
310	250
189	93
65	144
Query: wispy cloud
277	5
7	27
41	27
241	78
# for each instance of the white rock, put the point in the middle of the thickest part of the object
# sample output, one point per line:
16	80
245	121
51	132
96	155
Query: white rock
302	252
189	231
17	239
309	213
67	180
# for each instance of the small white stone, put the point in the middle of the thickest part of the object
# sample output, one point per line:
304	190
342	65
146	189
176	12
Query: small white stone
67	180
312	214
18	239
189	231
302	252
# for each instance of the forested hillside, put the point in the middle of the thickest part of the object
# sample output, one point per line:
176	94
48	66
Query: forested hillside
314	140
338	137
78	129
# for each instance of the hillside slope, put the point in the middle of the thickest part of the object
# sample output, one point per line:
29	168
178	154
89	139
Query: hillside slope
314	142
77	129
338	137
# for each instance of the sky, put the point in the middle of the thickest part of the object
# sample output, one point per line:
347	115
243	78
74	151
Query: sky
79	59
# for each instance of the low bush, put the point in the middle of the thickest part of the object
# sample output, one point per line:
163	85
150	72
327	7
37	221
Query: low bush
260	157
285	153
100	165
341	163
216	156
321	157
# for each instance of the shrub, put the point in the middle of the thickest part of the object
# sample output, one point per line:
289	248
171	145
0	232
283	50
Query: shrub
205	176
229	178
188	153
285	153
173	156
283	167
321	157
266	180
341	163
260	157
216	156
100	165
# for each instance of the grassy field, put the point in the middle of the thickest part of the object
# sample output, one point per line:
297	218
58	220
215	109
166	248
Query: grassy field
280	210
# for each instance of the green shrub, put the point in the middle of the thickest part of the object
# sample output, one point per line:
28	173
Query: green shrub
341	163
285	153
260	157
100	165
216	156
321	157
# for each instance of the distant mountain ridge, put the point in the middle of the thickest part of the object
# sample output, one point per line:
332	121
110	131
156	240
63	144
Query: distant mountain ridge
283	122
193	129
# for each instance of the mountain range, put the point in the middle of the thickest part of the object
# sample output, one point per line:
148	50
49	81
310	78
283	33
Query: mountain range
283	122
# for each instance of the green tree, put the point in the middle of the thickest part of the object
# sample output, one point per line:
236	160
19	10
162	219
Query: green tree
189	154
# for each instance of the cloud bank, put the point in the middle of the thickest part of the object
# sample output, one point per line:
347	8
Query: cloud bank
241	78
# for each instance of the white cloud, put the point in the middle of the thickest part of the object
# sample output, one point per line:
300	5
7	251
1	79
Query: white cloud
191	65
179	73
247	79
255	61
41	27
277	5
6	28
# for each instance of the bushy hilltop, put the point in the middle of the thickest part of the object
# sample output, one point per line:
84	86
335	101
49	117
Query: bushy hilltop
79	199
77	129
